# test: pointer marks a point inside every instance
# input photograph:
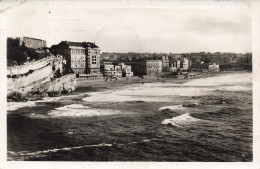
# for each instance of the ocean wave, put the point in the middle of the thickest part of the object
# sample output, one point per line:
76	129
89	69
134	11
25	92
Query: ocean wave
221	80
72	106
76	110
84	113
176	107
235	88
12	106
123	96
180	120
23	155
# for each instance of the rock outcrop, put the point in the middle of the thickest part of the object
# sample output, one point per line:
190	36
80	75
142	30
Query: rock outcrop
39	80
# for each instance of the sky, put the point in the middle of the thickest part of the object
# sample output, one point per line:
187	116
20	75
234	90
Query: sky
181	28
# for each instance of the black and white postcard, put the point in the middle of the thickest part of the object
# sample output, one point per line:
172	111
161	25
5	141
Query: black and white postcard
117	84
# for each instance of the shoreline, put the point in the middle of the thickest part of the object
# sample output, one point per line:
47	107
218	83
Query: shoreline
101	84
95	85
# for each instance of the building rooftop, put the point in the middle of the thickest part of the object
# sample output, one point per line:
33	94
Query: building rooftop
78	44
33	38
90	44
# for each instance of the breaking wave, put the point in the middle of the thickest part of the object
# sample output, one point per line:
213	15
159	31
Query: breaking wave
76	110
176	107
12	106
72	106
123	96
28	154
180	120
23	155
235	88
221	80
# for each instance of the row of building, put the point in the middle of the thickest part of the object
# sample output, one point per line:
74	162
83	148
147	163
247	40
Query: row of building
85	60
147	67
111	70
81	57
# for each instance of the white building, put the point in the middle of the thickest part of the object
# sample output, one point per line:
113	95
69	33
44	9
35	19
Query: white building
185	65
126	70
213	67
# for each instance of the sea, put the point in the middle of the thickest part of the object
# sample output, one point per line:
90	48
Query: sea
207	119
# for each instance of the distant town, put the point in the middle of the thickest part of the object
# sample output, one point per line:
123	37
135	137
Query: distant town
85	60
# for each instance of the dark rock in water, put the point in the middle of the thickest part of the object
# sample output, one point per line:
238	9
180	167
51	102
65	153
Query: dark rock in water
54	93
16	96
191	105
87	95
35	97
136	102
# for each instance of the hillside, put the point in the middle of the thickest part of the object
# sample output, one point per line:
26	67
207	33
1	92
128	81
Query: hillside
19	55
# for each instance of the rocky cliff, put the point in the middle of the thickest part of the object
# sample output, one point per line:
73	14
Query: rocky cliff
37	79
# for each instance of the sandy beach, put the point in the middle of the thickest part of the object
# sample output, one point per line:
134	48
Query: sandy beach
100	84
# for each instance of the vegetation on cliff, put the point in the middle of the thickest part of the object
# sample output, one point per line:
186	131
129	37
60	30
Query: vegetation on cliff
18	55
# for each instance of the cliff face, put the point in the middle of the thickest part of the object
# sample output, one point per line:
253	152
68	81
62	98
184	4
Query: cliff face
38	79
65	84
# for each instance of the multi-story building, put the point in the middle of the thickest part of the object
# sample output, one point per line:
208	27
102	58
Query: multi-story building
74	54
29	42
82	58
139	67
112	71
126	70
154	66
108	70
213	67
172	68
189	63
176	63
93	58
185	64
165	63
146	67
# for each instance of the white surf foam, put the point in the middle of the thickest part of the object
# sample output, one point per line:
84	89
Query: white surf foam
176	107
36	116
180	120
124	96
83	113
77	110
221	80
22	155
72	106
11	106
235	88
166	92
